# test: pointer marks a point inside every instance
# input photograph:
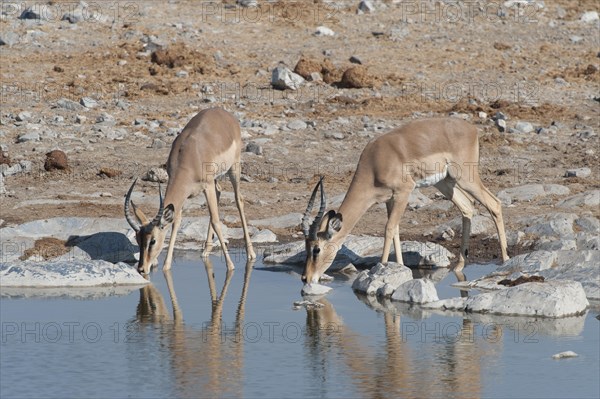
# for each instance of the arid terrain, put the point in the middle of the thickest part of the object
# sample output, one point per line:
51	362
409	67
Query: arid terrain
144	68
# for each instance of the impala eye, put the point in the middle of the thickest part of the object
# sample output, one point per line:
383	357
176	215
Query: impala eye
152	242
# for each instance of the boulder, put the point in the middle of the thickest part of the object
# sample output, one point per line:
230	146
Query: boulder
589	198
382	279
282	78
416	291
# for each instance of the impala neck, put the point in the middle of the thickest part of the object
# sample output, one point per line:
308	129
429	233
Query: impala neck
354	206
173	196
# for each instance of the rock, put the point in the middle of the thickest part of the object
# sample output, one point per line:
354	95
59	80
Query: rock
564	355
88	102
56	160
71	274
20	167
23	138
355	60
366	7
80	119
195	229
282	78
264	236
356	78
254	148
297	124
23	116
108	246
106	119
416	291
417	200
9	38
547	299
576	39
68	104
182	74
156	175
554	224
315	289
158	144
589	16
590	198
307	305
373	281
530	192
324	31
334	135
501	125
247	3
524	127
589	223
110	172
279	222
30	13
579	172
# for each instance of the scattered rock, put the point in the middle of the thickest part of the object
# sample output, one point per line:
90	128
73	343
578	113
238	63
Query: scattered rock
356	78
501	125
334	135
279	222
254	148
324	31
579	172
28	137
530	192
416	291
382	279
110	172
9	39
158	144
30	13
355	60
365	7
56	160
156	175
23	116
590	198
68	104
282	79
88	102
297	124
524	127
264	236
564	355
589	16
315	289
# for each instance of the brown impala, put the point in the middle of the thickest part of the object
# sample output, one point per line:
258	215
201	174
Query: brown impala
440	152
209	146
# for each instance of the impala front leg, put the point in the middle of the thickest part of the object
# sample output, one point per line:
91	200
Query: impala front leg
397	204
174	230
211	201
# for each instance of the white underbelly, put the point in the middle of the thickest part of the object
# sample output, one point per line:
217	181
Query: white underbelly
432	179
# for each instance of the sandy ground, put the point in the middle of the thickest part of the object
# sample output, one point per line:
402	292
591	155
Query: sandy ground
538	65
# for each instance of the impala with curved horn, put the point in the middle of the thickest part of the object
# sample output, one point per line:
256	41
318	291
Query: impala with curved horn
440	152
208	146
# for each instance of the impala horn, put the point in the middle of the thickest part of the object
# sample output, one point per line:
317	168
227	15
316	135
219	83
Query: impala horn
161	209
310	232
130	219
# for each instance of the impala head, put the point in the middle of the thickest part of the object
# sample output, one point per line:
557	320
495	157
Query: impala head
320	236
150	235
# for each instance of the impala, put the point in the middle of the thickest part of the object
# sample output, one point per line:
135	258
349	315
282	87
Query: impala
440	152
208	147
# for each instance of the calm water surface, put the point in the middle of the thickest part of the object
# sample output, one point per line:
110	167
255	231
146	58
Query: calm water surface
189	334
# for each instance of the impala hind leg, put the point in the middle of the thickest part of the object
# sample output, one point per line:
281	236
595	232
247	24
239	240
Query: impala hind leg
211	200
234	176
397	204
210	235
397	245
475	188
465	205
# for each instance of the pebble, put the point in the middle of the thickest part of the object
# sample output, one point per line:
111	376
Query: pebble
501	124
355	60
88	102
579	172
334	135
365	7
23	116
524	127
69	104
28	137
297	125
324	31
254	148
564	355
589	16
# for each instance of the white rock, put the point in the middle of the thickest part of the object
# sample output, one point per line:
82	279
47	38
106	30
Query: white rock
297	125
324	31
315	289
589	198
68	274
279	222
579	172
524	127
547	299
282	78
564	355
264	236
554	224
156	175
392	274
365	6
416	291
530	192
589	16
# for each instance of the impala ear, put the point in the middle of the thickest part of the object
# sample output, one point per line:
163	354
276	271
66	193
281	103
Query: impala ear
139	215
168	216
334	223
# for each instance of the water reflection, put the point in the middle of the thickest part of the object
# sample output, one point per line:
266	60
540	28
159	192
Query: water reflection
207	361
